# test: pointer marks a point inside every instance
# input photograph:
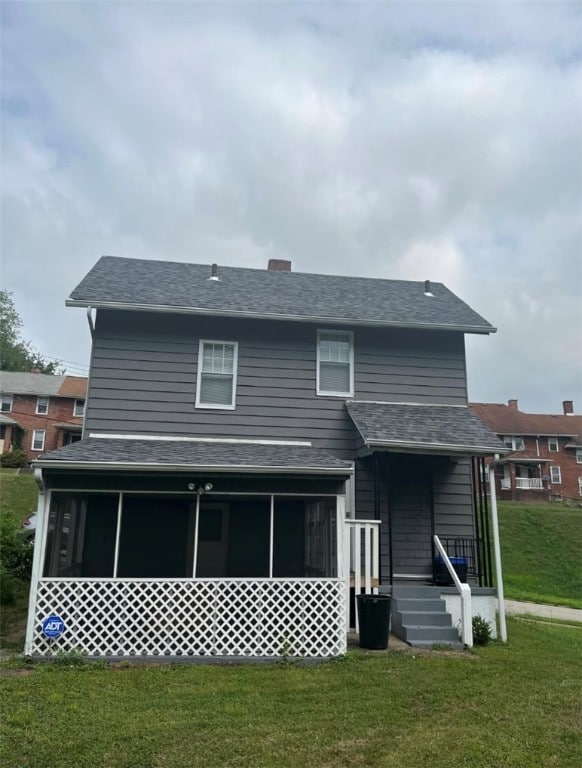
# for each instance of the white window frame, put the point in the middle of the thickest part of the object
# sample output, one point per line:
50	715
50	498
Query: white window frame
76	408
44	401
350	337
9	399
559	473
580	486
514	439
33	440
553	441
217	406
578	455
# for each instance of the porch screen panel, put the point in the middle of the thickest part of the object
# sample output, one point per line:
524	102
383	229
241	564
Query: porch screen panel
154	540
304	537
81	535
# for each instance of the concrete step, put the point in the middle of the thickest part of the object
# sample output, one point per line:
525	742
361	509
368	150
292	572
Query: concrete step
416	592
421	604
430	634
426	618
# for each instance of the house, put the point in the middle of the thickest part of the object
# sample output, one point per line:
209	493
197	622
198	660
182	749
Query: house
40	412
545	462
258	445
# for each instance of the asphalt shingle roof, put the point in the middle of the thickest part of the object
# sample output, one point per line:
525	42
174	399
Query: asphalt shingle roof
259	292
423	427
191	454
43	384
506	420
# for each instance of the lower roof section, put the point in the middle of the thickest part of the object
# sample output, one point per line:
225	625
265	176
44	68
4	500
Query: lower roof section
416	428
188	456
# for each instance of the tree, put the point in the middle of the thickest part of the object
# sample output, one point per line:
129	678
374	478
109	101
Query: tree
15	353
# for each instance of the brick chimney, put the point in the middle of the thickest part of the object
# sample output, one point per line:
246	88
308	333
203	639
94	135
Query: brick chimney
568	406
512	404
279	265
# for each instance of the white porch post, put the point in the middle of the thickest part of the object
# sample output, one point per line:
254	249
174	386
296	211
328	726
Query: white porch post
38	557
343	562
497	550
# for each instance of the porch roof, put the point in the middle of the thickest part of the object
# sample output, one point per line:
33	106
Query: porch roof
421	428
192	455
7	420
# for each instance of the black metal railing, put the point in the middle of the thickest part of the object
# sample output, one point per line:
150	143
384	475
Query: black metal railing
468	550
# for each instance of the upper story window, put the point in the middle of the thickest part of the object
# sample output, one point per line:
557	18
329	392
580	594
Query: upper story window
579	455
555	475
513	442
37	443
42	405
79	408
553	444
6	403
217	367
335	363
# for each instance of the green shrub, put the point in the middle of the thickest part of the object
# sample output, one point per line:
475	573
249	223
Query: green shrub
14	459
15	556
481	631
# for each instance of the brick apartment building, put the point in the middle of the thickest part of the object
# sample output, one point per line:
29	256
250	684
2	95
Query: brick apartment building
546	458
39	412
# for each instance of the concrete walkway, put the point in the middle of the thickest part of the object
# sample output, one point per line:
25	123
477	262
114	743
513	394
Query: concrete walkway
514	607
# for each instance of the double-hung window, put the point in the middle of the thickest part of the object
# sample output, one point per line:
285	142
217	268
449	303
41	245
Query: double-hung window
79	408
38	440
6	403
579	455
42	405
217	365
553	444
335	363
555	475
514	442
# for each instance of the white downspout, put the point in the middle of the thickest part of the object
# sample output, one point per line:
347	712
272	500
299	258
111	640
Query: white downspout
497	550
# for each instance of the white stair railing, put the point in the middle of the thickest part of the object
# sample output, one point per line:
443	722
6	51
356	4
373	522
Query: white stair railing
464	591
362	552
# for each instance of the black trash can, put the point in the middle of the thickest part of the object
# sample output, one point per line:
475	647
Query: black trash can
374	621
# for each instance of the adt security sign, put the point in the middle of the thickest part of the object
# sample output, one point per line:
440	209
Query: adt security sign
53	626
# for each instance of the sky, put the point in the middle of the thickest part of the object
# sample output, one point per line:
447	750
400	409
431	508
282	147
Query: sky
405	140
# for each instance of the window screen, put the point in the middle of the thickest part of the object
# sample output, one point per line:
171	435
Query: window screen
216	375
335	362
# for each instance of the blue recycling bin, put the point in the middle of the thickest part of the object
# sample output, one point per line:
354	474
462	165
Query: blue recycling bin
441	575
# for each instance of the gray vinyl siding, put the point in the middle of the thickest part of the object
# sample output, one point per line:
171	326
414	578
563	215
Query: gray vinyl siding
453	499
144	367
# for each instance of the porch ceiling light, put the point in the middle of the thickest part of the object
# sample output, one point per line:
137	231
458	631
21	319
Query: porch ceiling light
208	486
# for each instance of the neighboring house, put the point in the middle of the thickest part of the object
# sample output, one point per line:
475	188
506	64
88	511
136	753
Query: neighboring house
40	412
546	451
247	434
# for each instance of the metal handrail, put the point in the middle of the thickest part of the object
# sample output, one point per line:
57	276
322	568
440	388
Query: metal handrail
464	591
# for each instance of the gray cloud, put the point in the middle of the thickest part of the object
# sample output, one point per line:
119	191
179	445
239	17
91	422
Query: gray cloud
416	140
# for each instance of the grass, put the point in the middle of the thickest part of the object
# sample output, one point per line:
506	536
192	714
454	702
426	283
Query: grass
18	492
540	549
505	706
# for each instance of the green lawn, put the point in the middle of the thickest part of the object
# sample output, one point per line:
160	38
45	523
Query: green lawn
541	546
18	492
504	706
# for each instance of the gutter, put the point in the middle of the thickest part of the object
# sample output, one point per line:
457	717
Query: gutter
166	308
119	466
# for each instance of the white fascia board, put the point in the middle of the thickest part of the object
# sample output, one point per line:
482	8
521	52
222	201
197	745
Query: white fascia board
444	448
178	439
478	329
153	467
422	405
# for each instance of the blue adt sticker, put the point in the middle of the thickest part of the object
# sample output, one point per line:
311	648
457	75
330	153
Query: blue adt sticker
53	626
